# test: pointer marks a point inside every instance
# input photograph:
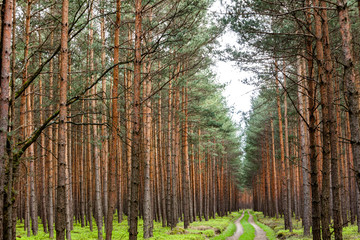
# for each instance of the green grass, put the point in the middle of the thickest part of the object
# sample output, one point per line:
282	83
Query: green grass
230	229
277	225
270	234
218	228
249	230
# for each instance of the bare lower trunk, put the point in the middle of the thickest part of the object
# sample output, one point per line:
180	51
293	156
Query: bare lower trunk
5	48
352	93
61	188
304	145
114	129
136	137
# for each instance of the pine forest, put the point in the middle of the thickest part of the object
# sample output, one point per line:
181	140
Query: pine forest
116	120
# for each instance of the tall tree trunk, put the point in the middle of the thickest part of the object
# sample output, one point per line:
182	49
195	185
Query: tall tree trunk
200	177
114	128
185	164
352	93
6	27
98	205
104	145
147	155
324	78
282	151
43	149
287	156
274	174
136	138
60	191
169	162
316	211
52	149
303	144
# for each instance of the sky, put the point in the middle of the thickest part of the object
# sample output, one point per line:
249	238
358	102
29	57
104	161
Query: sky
237	94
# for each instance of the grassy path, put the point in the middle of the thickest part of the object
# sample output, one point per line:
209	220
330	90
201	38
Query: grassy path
260	234
239	229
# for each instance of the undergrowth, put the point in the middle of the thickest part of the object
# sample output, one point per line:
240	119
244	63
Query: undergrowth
218	228
277	226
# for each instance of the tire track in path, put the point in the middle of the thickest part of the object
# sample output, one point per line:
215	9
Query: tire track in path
259	233
239	229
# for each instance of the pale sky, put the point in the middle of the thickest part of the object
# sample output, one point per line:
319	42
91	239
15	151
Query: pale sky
238	95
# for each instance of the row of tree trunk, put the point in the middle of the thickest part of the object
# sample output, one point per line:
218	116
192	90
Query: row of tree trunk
317	172
130	150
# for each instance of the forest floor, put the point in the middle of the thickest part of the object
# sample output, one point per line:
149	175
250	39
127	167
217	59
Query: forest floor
219	228
274	229
239	229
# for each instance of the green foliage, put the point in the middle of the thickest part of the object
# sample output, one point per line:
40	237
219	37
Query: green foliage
270	234
197	230
276	225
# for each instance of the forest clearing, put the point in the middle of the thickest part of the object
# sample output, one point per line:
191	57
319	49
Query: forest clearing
115	123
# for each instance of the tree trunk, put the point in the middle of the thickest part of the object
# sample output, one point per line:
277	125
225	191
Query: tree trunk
185	164
316	211
274	182
98	205
282	151
6	27
104	147
51	143
136	137
60	191
114	128
287	156
303	144
147	152
352	93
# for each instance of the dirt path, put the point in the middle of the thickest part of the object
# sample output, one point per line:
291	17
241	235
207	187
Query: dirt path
239	229
259	233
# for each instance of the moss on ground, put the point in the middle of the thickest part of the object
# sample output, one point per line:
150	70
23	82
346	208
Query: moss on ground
277	225
218	228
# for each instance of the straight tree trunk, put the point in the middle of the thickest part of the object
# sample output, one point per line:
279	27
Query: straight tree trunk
136	137
287	156
104	147
6	27
274	174
43	149
304	146
61	192
352	92
316	211
169	162
98	205
282	151
52	149
324	78
185	164
200	177
114	128
147	155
